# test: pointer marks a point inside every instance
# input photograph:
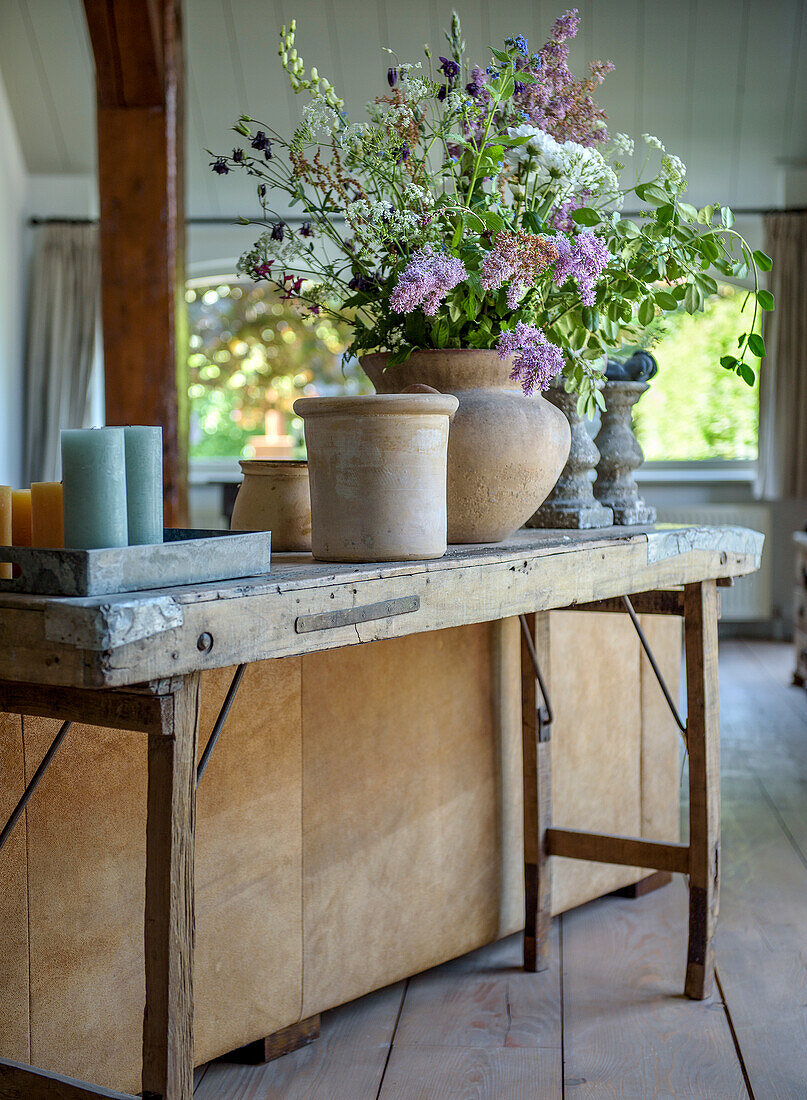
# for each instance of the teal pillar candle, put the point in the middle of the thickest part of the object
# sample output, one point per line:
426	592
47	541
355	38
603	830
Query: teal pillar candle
94	488
144	484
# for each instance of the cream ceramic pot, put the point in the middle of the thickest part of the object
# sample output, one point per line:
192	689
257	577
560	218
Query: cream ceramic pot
505	451
377	469
274	497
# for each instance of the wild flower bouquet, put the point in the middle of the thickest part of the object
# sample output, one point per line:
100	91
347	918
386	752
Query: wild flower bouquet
480	207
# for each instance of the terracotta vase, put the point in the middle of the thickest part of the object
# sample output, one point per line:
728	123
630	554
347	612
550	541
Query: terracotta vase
505	450
377	469
274	497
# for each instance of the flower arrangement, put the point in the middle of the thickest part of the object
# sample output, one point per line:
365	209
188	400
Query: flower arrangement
480	207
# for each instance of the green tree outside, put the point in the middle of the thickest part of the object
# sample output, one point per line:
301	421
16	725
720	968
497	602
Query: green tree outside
695	409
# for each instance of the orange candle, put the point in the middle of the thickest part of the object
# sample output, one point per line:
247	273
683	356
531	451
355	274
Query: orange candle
47	514
5	527
20	517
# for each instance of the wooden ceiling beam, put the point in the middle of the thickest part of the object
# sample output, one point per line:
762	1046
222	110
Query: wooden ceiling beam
127	42
137	46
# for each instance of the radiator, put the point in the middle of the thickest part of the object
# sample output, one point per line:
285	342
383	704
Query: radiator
750	599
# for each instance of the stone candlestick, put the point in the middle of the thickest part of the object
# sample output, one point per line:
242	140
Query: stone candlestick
620	455
571	503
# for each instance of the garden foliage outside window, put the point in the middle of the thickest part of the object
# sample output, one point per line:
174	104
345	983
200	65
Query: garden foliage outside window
251	355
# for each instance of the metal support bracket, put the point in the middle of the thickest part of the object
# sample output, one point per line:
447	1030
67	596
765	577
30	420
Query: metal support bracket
546	715
654	665
218	725
36	779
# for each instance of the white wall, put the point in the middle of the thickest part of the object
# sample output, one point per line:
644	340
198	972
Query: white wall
12	318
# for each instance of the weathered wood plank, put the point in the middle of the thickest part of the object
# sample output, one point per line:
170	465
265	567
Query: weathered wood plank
254	621
537	755
665	602
759	941
486	1001
468	1073
627	1030
703	743
278	1044
348	1060
115	709
623	850
21	1082
169	917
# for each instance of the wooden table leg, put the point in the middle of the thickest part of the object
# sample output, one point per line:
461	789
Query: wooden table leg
537	798
169	917
703	741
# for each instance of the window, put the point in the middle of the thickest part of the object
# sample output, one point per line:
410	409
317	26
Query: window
695	409
251	355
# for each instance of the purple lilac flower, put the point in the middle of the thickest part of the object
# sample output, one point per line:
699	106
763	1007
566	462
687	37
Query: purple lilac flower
536	361
426	280
583	259
566	25
220	165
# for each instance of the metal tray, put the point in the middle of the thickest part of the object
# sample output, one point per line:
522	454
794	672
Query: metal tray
186	557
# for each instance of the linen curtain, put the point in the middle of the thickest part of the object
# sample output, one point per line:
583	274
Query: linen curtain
63	313
782	468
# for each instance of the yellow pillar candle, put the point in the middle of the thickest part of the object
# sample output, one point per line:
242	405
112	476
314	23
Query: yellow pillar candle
21	517
47	514
5	527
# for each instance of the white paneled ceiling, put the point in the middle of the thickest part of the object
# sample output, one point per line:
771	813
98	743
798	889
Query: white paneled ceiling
723	82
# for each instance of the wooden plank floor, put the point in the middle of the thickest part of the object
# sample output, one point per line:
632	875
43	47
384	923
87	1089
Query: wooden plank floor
609	1019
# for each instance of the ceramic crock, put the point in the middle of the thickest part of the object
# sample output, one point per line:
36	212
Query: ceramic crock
274	497
505	451
377	470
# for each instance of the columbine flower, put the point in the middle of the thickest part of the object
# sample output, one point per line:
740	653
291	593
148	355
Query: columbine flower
536	361
262	143
583	259
449	68
278	231
623	144
220	165
238	156
426	280
306	230
653	141
392	77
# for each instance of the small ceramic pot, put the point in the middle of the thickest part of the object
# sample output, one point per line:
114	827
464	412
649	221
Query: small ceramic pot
506	450
377	468
274	497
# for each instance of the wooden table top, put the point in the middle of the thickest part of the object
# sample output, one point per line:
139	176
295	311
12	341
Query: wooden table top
303	605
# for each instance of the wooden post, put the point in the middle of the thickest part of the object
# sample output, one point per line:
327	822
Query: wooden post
137	46
169	919
537	799
703	741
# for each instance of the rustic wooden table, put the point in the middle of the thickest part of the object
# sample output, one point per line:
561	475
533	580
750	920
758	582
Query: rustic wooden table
133	662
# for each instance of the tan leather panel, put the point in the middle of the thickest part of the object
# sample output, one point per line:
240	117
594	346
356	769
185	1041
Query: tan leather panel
86	845
596	743
249	861
13	899
661	740
401	827
87	850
